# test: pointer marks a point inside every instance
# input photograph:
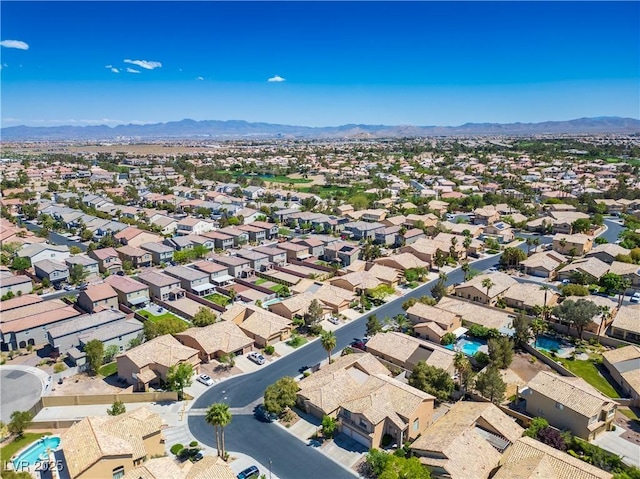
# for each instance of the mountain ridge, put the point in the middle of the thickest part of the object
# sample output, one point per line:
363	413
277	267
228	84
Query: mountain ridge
241	129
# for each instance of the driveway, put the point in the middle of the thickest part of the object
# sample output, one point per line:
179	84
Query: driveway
612	442
20	389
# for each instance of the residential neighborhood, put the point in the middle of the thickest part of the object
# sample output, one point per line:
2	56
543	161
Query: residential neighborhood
470	307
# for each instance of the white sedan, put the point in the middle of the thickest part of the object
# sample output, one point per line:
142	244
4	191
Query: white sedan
256	357
206	380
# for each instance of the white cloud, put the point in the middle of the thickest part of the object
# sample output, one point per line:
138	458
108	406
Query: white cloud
199	78
276	79
147	65
131	70
14	44
114	70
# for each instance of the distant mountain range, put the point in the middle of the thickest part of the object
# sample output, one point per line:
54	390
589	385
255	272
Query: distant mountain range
238	129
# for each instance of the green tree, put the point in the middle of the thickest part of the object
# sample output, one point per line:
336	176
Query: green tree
179	376
329	426
522	330
204	317
432	380
94	350
77	274
611	282
489	383
328	341
314	314
391	466
219	416
281	395
538	326
581	225
110	353
227	359
537	424
500	352
512	256
466	269
373	325
21	264
117	408
428	300
577	313
448	338
487	284
20	420
464	371
439	290
75	250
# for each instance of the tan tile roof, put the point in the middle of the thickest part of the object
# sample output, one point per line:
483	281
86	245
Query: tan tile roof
223	336
359	279
164	350
93	438
627	318
263	323
384	272
299	303
531	459
574	393
158	468
210	468
501	282
19	301
99	292
404	260
622	269
332	295
402	347
475	313
530	295
466	454
429	313
545	260
622	354
592	266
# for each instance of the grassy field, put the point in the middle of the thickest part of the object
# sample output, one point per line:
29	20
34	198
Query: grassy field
109	369
589	372
154	318
14	446
218	298
329	191
285	179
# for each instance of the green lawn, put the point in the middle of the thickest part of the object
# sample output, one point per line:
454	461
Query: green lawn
589	372
629	413
285	179
296	341
109	369
27	438
276	288
154	318
260	281
218	298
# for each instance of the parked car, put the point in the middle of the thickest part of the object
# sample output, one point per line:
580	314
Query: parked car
197	457
82	286
360	344
334	320
206	380
493	269
635	298
256	357
68	287
263	415
249	473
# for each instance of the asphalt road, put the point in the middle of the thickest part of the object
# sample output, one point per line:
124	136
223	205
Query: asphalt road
55	238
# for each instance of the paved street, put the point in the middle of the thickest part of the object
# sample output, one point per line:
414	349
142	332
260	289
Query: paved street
20	389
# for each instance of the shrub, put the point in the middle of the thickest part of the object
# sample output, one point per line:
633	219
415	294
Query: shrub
386	440
307	373
193	444
482	358
59	367
269	349
176	448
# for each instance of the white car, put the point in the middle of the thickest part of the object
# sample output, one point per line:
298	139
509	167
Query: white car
334	320
256	357
206	380
635	298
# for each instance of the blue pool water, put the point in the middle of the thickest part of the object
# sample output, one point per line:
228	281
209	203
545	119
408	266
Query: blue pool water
548	344
33	454
468	346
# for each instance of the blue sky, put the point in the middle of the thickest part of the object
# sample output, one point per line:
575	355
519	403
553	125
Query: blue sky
422	63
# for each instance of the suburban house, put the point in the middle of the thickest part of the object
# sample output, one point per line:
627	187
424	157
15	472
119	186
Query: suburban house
162	286
608	252
627	271
256	235
386	275
16	284
294	251
89	265
41	251
111	446
148	363
136	237
411	236
236	266
406	351
160	253
624	366
131	293
356	282
276	255
223	337
258	261
432	323
271	230
194	226
363	230
192	280
108	260
341	252
296	306
467	442
528	458
528	297
625	325
336	298
543	264
593	268
209	467
475	291
110	327
239	236
402	262
315	247
139	258
487	215
262	326
53	271
389	235
572	245
569	403
96	297
367	402
220	241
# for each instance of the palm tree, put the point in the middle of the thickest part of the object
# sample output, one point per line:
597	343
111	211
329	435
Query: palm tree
625	284
545	288
536	243
465	269
401	322
219	416
461	365
328	341
487	283
606	317
529	243
538	326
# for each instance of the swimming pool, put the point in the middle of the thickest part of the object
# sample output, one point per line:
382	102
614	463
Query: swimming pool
468	346
36	452
549	344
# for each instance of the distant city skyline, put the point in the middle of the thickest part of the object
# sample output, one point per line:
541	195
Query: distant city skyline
318	63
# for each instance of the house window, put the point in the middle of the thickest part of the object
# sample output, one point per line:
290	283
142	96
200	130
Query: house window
416	424
118	472
346	413
540	411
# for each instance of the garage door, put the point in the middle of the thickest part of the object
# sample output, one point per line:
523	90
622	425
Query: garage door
356	436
